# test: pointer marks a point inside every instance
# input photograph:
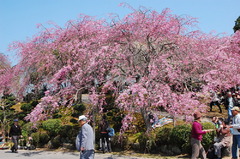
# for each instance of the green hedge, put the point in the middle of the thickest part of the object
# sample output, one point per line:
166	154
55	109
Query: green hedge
53	126
40	138
173	140
120	142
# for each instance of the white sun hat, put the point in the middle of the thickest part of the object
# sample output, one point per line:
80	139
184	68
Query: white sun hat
82	117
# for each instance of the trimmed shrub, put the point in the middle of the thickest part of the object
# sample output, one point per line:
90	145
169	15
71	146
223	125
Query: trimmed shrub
26	107
147	142
79	107
56	142
27	129
163	135
43	139
40	139
180	137
120	142
53	126
35	137
208	138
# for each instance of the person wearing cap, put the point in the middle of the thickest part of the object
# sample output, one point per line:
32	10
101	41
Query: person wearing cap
15	133
86	138
196	137
235	130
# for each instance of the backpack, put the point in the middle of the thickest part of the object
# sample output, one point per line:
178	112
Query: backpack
111	132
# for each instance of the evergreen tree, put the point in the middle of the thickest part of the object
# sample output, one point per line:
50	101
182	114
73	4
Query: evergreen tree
237	24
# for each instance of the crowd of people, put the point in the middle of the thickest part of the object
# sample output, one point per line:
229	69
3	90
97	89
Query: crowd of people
228	135
227	130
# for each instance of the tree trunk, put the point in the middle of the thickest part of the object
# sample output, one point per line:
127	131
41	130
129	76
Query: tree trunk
146	119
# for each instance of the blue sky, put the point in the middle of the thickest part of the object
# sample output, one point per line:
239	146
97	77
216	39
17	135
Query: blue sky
18	18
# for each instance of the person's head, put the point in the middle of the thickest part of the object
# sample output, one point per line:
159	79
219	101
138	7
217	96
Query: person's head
15	121
197	115
234	95
214	119
235	110
229	94
82	120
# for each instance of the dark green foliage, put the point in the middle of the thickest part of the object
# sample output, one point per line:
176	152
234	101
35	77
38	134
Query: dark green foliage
180	136
167	137
40	138
7	113
68	131
74	121
147	142
43	139
53	126
27	129
120	142
35	137
208	138
34	103
21	115
237	24
26	107
78	109
9	100
57	115
56	142
163	135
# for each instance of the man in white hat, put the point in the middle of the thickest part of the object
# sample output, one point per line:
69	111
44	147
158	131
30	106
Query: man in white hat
85	138
235	131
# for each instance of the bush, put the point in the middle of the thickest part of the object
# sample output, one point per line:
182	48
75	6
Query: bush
43	139
180	137
53	126
35	137
55	142
26	107
147	142
74	121
40	138
208	138
163	135
27	129
79	107
120	142
69	131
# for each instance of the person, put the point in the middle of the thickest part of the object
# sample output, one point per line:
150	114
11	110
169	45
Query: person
223	138
216	122
1	136
235	100
85	139
196	137
235	130
230	105
103	129
215	101
15	133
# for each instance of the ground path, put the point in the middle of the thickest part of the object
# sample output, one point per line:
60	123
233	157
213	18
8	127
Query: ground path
42	154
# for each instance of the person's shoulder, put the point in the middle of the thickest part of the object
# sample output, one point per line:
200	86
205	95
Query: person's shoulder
238	115
196	123
86	125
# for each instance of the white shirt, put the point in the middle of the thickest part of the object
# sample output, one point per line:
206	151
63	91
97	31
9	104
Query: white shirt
236	125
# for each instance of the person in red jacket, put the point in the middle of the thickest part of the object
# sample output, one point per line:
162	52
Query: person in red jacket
196	137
